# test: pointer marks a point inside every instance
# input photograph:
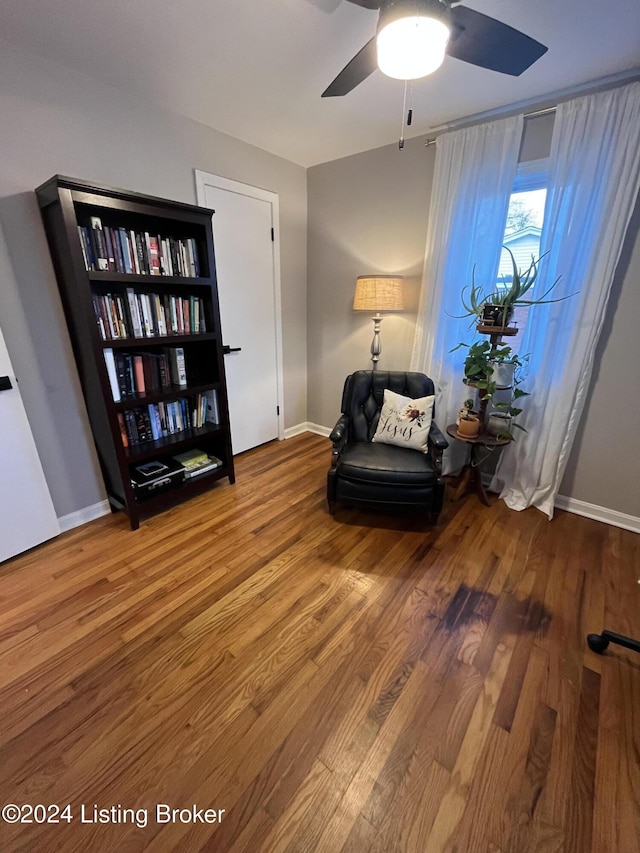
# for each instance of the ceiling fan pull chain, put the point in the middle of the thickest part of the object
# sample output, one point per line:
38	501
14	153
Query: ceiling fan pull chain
404	112
408	85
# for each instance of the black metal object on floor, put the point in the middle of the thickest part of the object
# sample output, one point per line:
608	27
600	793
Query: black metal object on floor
599	642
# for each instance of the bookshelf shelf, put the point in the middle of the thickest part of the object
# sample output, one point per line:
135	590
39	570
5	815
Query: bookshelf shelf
152	282
171	393
137	279
158	340
172	443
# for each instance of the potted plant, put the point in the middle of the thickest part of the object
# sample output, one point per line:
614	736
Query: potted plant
466	409
490	366
495	307
493	368
478	369
505	363
469	426
501	421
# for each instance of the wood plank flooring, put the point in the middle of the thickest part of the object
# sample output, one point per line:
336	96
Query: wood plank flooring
351	683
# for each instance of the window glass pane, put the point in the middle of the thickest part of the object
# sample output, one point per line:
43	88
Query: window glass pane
522	236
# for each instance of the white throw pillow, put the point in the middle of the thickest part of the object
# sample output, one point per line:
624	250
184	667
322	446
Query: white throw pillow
404	422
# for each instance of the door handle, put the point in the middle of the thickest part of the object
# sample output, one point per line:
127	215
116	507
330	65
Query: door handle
227	350
5	383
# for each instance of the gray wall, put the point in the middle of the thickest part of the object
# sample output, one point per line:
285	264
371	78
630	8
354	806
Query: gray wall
56	121
368	213
604	466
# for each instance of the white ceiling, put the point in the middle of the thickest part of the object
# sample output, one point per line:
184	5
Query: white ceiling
255	69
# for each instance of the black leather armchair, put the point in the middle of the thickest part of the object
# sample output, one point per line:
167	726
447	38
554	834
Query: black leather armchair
372	475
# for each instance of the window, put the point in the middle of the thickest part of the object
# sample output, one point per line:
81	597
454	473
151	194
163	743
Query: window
522	231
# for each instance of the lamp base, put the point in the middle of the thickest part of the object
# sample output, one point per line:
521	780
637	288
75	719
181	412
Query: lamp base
376	346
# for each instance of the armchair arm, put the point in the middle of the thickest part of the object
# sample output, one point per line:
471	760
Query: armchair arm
339	438
437	445
436	438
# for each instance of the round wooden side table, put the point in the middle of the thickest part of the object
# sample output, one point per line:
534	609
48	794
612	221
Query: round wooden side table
471	474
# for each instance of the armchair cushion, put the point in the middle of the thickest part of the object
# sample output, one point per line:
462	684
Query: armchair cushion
385	464
405	422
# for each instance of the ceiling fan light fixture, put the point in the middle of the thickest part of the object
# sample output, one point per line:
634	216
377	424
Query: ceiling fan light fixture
412	39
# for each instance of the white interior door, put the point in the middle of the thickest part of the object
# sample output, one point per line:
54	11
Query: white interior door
245	227
27	516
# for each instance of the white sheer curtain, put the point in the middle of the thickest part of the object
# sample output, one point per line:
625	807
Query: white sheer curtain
593	186
474	173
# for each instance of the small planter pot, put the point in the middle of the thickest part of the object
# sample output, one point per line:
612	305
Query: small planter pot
499	425
503	374
469	427
465	412
496	315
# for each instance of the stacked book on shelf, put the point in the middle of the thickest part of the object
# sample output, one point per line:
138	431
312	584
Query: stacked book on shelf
147	315
160	420
138	252
196	462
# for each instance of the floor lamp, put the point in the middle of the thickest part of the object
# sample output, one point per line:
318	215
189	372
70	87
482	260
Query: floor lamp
376	293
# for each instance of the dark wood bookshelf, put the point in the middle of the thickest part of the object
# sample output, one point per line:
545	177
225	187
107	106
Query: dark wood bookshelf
67	204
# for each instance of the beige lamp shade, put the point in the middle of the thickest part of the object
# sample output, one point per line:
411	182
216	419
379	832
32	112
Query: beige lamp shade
379	293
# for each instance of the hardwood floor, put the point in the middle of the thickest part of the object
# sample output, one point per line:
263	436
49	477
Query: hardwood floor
351	683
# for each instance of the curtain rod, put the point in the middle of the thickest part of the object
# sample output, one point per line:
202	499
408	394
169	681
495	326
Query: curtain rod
535	114
611	81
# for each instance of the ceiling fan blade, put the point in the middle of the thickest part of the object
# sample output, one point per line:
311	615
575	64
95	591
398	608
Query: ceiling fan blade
489	43
367	4
361	66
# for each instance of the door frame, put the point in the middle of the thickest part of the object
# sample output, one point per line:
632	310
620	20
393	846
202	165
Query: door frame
204	179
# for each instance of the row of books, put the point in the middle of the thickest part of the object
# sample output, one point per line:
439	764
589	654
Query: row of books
160	420
136	374
148	315
141	252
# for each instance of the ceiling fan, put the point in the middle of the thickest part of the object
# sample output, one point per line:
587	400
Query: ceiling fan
413	36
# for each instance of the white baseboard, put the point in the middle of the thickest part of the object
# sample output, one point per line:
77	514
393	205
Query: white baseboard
82	516
599	513
307	426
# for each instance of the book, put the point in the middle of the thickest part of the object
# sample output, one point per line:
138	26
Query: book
111	258
112	374
177	366
213	414
147	317
85	256
131	427
124	250
99	320
133	249
153	253
151	370
134	312
213	463
192	458
123	430
138	372
98	242
122	317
